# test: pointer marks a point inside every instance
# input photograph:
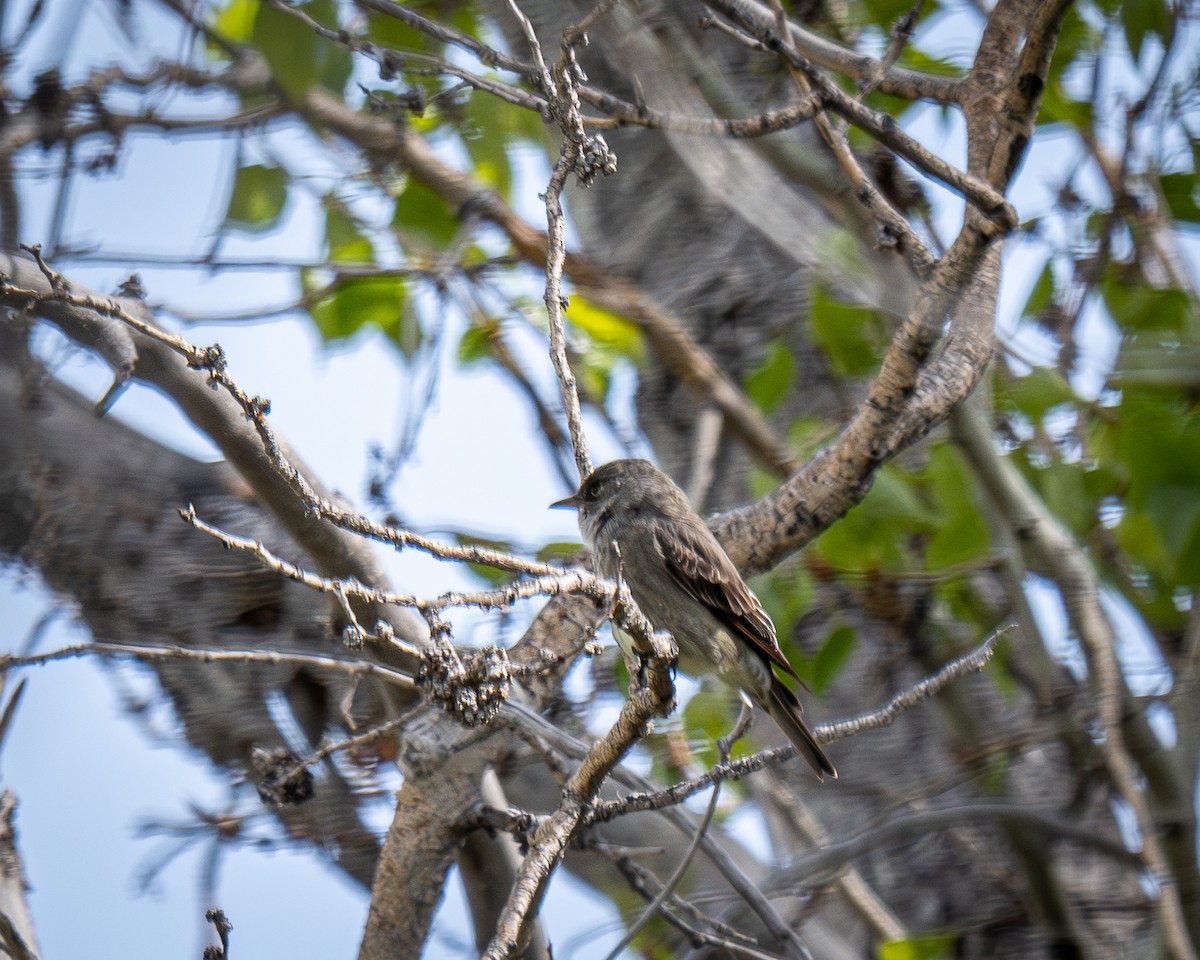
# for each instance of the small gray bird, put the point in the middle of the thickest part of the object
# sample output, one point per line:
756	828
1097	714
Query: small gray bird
642	530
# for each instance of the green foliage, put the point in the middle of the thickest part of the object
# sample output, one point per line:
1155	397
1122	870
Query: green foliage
883	13
1138	306
829	660
1141	19
1180	192
562	551
348	304
490	128
933	946
359	301
1076	38
769	384
299	59
1157	442
422	220
491	576
235	20
475	344
960	534
605	328
786	593
853	338
257	198
344	242
916	59
1037	393
874	535
396	35
1043	295
1064	487
807	435
600	338
707	716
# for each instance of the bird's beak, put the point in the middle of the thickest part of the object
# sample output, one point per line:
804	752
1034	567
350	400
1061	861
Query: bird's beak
572	502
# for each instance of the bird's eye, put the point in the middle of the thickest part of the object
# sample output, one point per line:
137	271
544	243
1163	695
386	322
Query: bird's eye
591	489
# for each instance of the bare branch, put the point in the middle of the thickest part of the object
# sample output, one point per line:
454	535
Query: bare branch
880	126
824	732
654	699
268	657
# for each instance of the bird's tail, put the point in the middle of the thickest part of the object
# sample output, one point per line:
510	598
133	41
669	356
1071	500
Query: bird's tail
786	710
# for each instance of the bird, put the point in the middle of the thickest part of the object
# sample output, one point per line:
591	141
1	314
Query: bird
642	531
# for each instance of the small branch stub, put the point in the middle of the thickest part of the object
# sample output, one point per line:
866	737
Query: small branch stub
284	778
216	916
594	157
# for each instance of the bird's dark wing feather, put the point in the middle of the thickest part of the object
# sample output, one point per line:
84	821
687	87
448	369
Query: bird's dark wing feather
696	560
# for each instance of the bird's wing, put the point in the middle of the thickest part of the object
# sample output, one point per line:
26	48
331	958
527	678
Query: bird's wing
704	570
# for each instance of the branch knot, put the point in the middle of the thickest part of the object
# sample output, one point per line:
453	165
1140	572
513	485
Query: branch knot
470	685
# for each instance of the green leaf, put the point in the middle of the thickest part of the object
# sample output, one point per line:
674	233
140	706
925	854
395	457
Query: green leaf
235	21
832	655
960	534
1138	306
853	338
476	342
935	946
593	370
786	593
807	435
257	199
606	329
491	576
1042	295
873	535
1077	38
706	718
1180	191
1140	17
489	126
1039	391
769	384
1139	537
1065	491
422	216
387	31
298	58
1175	512
559	550
360	301
344	243
883	13
917	59
1146	362
395	34
1158	444
1059	107
602	338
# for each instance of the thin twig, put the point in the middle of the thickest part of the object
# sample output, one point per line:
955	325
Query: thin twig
585	156
605	810
553	581
668	889
268	657
990	202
